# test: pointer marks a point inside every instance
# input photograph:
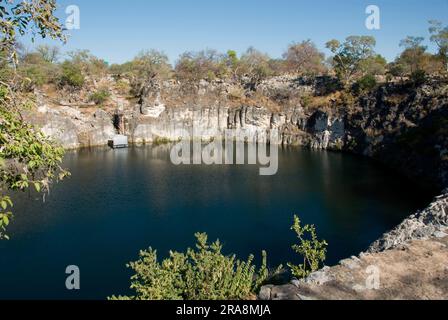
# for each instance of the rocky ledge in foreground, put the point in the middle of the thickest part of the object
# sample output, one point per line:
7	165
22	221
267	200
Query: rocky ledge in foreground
409	262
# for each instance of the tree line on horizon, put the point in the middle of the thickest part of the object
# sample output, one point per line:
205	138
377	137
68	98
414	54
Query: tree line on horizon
353	59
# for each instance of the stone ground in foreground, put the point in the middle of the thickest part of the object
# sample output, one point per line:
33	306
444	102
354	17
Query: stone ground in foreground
416	270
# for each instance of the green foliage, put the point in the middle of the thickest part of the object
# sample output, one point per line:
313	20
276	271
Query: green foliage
310	248
123	87
71	75
36	75
100	96
350	56
125	70
375	65
414	56
255	65
412	43
160	141
306	100
27	157
88	64
366	83
439	35
6	70
201	274
23	16
396	69
36	71
232	59
418	77
210	65
414	59
151	64
146	66
347	98
5	216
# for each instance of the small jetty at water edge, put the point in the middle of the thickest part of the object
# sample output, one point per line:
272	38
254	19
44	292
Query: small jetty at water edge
119	142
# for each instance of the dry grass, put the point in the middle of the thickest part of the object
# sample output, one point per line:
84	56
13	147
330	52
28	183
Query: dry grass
396	99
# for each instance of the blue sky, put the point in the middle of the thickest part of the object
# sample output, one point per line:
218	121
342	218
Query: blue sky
118	30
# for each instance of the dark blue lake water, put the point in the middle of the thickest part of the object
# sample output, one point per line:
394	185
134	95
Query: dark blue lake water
120	201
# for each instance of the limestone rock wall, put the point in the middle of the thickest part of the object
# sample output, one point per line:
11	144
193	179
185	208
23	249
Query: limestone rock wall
405	128
70	127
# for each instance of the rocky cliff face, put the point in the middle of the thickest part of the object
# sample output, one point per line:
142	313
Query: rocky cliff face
401	126
70	127
404	127
252	123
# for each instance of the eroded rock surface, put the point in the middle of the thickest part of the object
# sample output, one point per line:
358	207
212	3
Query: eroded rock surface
416	271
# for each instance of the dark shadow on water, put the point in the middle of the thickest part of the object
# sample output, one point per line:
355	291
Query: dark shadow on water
120	201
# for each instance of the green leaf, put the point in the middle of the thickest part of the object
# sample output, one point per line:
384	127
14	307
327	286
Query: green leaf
8	200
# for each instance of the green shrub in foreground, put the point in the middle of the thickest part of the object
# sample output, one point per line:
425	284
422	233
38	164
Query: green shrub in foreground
206	274
201	274
311	249
23	146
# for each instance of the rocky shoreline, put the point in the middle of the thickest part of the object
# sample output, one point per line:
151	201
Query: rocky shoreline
407	263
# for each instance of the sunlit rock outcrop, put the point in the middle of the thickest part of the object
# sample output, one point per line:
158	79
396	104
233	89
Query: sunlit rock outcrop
397	124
